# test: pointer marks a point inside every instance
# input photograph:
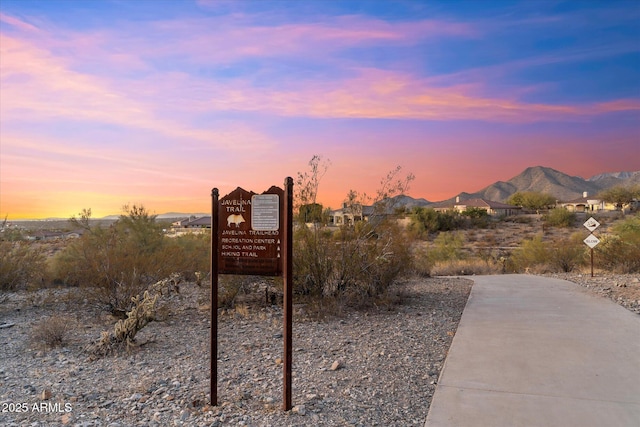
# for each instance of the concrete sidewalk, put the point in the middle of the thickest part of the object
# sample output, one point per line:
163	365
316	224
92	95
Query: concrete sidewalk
532	351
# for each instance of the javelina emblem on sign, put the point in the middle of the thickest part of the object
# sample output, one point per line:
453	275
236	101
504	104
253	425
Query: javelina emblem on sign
236	219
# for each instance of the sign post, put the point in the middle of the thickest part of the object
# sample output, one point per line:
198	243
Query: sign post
592	241
288	294
213	334
252	234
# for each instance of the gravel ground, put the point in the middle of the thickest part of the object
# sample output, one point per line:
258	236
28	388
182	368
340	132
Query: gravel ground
624	289
363	369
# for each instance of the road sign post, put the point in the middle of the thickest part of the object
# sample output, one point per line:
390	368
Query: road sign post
592	241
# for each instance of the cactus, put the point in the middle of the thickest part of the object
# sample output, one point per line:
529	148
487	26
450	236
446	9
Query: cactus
142	313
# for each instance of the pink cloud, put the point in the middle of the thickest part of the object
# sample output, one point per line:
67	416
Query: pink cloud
394	95
616	105
216	40
55	88
37	85
18	23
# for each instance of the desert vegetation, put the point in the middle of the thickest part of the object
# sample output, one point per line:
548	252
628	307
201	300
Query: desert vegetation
620	195
115	264
21	265
122	267
357	262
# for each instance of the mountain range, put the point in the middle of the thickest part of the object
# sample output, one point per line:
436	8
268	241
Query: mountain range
541	179
538	179
550	181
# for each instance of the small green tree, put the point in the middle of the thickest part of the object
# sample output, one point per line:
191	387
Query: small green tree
447	247
478	217
117	263
423	220
532	200
427	220
311	213
620	196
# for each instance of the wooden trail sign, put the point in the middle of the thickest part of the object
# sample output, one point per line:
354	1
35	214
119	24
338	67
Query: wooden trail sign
253	234
249	232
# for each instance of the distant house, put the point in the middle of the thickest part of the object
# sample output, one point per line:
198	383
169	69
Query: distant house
190	225
584	204
350	214
202	222
492	208
181	223
591	204
193	222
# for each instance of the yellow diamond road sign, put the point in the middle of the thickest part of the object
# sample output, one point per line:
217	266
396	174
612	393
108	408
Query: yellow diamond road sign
591	224
591	241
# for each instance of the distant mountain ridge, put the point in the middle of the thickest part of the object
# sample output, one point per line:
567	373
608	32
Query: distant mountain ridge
539	179
619	175
558	184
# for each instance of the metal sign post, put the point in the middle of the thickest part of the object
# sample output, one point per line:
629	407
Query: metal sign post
592	241
252	234
213	334
288	293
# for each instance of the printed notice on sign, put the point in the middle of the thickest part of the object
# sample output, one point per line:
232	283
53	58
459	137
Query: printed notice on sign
265	212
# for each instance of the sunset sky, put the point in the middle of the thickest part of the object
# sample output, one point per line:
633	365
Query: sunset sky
104	103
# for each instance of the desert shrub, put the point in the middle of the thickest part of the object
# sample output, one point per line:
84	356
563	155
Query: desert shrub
566	256
21	264
9	234
559	217
421	262
117	263
188	254
518	219
620	251
359	261
51	332
461	267
231	287
532	256
477	217
427	220
447	246
368	259
537	256
312	259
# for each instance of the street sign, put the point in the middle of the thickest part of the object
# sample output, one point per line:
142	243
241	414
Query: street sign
591	241
591	224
